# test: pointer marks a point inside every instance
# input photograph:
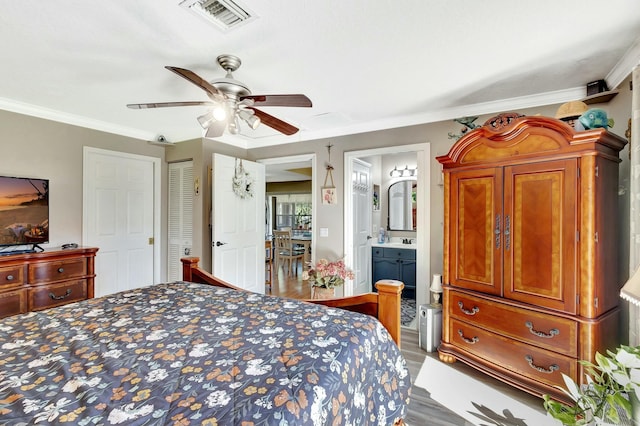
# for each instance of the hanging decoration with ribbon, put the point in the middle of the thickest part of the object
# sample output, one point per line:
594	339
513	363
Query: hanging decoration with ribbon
242	181
329	191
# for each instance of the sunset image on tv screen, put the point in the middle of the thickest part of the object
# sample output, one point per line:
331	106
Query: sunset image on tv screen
24	211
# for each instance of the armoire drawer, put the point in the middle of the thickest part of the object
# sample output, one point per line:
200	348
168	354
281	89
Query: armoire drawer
11	276
48	296
504	353
536	328
57	271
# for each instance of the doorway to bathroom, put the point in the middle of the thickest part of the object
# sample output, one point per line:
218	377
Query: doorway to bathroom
422	217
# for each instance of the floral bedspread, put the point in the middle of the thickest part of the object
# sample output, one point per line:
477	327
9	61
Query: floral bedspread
184	354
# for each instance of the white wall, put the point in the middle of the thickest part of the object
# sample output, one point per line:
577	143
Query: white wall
34	147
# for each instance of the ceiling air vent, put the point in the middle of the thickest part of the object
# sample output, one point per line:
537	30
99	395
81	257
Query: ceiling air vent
225	14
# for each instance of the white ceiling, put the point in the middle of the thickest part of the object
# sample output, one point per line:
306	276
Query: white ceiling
366	65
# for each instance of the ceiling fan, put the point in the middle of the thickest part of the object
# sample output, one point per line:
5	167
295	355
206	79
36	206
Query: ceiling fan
231	102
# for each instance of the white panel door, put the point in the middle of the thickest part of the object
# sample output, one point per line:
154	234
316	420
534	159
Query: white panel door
118	218
238	224
362	211
180	221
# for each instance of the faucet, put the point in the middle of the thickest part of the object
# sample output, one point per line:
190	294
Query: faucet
407	241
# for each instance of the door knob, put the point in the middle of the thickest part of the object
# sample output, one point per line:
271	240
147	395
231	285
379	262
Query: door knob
369	237
218	244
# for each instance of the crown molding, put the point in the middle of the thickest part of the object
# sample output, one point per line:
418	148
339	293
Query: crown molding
72	119
625	65
492	107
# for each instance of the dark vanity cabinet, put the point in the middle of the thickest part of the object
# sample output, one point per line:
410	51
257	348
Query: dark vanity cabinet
395	264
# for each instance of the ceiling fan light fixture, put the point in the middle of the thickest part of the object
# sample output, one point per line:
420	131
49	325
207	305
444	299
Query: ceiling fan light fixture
206	119
219	113
234	126
253	122
250	118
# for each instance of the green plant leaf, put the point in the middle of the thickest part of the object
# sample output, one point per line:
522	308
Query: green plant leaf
572	387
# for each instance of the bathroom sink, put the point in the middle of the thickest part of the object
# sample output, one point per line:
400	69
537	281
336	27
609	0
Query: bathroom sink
395	245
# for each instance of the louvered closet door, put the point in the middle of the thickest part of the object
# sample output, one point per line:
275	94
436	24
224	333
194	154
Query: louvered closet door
475	247
180	216
540	210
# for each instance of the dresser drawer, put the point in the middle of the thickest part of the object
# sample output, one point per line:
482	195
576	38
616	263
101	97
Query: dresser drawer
56	271
13	302
48	296
11	276
519	358
536	328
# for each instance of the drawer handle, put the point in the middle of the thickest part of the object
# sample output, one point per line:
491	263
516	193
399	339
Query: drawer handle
65	295
61	269
550	370
471	341
9	277
552	332
497	231
473	311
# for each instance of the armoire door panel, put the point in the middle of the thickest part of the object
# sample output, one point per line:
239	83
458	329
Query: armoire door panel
477	243
540	234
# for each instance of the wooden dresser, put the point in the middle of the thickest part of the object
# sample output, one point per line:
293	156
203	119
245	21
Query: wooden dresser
36	281
530	250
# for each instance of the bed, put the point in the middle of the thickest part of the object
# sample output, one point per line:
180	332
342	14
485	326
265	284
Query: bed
199	351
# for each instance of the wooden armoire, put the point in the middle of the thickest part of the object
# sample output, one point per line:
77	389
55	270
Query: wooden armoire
530	250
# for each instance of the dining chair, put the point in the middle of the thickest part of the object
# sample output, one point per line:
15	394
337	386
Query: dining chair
285	252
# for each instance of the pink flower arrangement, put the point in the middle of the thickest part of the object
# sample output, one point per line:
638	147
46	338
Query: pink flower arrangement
327	274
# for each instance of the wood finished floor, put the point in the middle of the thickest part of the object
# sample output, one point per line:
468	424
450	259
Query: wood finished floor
423	411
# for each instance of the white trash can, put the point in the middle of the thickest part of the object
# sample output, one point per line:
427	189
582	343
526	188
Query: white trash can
430	327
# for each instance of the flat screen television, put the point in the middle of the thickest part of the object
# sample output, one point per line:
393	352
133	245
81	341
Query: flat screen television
24	212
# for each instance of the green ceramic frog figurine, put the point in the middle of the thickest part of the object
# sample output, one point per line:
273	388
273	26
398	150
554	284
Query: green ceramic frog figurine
594	118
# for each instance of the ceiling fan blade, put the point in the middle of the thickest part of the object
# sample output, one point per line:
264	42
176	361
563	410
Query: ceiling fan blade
168	104
215	129
279	100
195	79
274	123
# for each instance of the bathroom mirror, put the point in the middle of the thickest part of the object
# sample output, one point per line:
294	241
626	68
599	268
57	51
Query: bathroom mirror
402	205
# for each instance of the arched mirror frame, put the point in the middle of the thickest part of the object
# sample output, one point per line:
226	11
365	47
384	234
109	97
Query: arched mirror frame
401	205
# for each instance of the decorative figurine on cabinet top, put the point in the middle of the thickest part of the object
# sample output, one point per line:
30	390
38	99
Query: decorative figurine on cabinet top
594	118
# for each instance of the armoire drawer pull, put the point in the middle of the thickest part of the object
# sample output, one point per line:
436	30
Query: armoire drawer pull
61	269
507	233
473	311
471	341
9	277
497	232
551	369
552	332
65	295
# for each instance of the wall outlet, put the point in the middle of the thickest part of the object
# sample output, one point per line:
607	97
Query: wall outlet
324	232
